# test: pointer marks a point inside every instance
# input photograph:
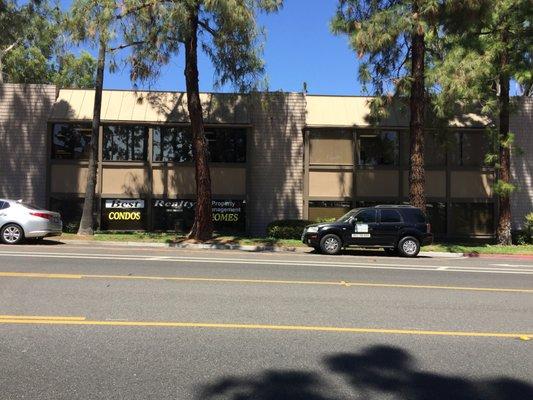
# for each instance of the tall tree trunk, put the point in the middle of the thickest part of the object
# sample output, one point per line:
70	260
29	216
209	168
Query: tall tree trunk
203	221
503	232
417	178
87	218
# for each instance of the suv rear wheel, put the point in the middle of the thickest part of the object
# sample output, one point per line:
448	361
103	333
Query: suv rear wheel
409	246
331	244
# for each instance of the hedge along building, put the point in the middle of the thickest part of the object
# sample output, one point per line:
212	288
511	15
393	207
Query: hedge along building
272	156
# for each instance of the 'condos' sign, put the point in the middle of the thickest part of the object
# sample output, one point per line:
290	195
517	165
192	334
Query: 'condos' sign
179	214
123	214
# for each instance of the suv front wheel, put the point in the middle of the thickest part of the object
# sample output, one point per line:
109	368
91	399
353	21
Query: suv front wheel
331	244
409	246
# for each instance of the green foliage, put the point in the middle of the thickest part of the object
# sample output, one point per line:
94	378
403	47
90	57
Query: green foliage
504	189
329	219
33	47
228	34
287	228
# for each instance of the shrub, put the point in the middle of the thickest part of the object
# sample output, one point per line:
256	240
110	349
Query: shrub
528	226
328	219
287	228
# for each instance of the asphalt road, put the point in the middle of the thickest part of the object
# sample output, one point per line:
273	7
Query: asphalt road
101	322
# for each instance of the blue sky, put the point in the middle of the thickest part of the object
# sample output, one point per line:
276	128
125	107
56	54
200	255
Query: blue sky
299	48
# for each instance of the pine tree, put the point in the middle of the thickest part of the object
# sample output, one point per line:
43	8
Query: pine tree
94	22
484	54
392	37
227	31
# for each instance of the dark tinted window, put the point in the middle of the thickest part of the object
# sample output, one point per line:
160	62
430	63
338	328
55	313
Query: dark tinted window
378	148
414	215
390	216
472	218
172	144
366	216
469	149
226	145
124	143
71	141
2	204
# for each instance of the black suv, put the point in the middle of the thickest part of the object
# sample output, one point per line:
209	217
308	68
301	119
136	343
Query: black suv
397	229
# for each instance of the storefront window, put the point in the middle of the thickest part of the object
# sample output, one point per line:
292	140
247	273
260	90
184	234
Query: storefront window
378	148
469	149
71	141
472	218
324	210
436	213
331	146
172	144
124	143
178	215
70	209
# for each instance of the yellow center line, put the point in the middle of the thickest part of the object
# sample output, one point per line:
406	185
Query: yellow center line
304	328
40	317
258	281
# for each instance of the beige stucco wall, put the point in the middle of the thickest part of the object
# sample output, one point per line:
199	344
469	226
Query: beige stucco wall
474	184
175	181
379	183
435	183
130	181
335	184
68	178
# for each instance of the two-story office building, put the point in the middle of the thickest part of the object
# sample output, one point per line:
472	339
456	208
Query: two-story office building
272	156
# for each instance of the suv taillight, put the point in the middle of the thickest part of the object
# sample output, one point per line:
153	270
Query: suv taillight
41	215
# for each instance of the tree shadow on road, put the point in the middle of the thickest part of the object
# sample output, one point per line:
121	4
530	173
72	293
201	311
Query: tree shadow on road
378	372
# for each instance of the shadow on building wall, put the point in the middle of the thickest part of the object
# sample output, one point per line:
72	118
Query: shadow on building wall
24	111
377	372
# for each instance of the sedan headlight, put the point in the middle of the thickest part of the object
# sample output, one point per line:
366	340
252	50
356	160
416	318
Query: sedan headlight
312	229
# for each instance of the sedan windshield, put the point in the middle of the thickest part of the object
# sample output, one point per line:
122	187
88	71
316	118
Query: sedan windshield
346	217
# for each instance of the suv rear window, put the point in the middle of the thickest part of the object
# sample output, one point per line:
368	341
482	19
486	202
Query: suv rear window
414	215
390	216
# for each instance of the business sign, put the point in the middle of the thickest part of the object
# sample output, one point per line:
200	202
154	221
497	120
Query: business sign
123	214
178	215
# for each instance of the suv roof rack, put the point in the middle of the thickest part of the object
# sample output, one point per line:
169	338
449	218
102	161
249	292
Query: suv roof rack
394	206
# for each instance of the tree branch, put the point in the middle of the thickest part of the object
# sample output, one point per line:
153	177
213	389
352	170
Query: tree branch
123	46
10	47
205	24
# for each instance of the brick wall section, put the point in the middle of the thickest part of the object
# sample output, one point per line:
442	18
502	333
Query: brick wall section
275	159
522	161
24	110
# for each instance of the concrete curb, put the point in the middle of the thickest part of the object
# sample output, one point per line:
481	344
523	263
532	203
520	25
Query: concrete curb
229	246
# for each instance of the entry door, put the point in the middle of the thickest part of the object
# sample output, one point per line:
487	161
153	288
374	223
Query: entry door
389	224
364	226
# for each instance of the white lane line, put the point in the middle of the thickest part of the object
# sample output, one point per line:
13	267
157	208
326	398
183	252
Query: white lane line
285	263
514	265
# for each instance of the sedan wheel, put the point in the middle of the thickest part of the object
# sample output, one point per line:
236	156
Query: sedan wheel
11	234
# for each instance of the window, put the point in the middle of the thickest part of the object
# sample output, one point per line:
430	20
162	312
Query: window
390	216
366	216
434	149
124	143
469	149
472	218
331	146
328	210
378	148
172	144
436	213
226	145
414	215
4	205
71	141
